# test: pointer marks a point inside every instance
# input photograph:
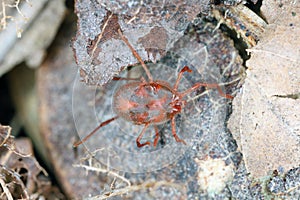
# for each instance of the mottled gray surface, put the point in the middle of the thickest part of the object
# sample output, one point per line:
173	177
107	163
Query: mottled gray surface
172	170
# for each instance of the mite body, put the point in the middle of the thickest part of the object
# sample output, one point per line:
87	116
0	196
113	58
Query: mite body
143	103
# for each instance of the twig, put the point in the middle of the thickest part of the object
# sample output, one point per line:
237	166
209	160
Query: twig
114	174
5	189
147	185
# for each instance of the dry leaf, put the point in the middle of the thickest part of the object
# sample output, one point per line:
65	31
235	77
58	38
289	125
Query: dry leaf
265	120
98	49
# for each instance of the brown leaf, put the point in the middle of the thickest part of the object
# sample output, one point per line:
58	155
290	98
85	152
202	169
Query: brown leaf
100	53
265	120
151	43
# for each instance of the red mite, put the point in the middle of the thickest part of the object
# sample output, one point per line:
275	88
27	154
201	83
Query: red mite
150	102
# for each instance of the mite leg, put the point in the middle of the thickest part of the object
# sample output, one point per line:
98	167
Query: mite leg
136	55
184	69
76	144
117	78
174	132
138	139
207	85
156	136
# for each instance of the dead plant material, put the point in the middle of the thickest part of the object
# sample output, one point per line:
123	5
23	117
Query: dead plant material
21	176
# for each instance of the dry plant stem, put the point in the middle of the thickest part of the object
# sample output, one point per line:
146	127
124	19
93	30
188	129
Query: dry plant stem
7	136
272	53
101	35
138	57
147	185
4	17
288	191
16	5
76	144
101	170
5	190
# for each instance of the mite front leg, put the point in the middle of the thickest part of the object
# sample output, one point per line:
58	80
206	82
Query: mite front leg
207	85
184	69
139	145
136	55
174	131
